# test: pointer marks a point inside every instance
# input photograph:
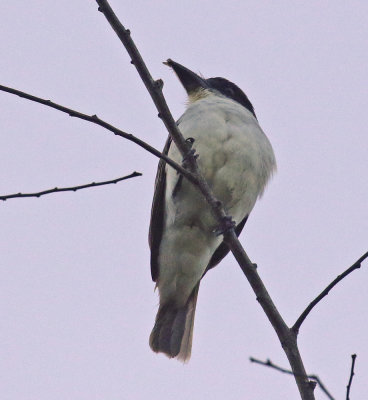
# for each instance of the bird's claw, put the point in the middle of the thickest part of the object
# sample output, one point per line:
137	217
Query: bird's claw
190	153
227	223
190	141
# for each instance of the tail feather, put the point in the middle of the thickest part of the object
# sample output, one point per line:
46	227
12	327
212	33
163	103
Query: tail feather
173	330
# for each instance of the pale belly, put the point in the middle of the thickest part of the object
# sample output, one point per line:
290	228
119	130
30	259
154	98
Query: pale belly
236	159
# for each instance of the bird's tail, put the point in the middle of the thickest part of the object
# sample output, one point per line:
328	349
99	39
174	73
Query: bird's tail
173	330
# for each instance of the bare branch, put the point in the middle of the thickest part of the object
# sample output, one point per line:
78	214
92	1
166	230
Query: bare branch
286	336
154	88
325	292
315	378
69	189
96	120
353	358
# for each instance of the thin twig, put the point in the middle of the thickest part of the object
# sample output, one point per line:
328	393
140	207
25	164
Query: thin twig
270	364
69	189
285	335
325	292
96	120
348	387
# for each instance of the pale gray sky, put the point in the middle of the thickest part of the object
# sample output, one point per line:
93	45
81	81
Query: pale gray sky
76	298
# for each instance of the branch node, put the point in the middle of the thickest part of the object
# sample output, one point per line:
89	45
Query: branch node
295	330
348	387
218	203
312	384
159	84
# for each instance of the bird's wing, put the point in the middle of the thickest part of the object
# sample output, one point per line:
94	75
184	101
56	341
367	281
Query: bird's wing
157	221
157	213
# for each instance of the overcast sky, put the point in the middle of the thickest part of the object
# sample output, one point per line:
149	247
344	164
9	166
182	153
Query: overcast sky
76	297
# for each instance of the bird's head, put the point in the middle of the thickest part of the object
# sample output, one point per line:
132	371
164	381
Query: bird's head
195	85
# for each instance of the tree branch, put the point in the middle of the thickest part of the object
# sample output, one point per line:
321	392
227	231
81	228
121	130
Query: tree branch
96	120
154	87
348	387
286	336
270	364
69	189
325	292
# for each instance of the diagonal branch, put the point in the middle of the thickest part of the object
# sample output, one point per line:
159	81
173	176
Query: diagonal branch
325	292
285	335
348	387
154	87
315	378
69	189
96	120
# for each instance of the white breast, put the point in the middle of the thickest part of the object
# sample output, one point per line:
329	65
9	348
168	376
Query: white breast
235	155
237	160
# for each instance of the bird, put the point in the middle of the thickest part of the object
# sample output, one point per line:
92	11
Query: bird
237	160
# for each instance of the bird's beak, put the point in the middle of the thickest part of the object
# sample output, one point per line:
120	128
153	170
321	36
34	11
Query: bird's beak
191	81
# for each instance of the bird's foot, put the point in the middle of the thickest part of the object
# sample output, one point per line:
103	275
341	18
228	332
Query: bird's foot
190	141
190	153
227	223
